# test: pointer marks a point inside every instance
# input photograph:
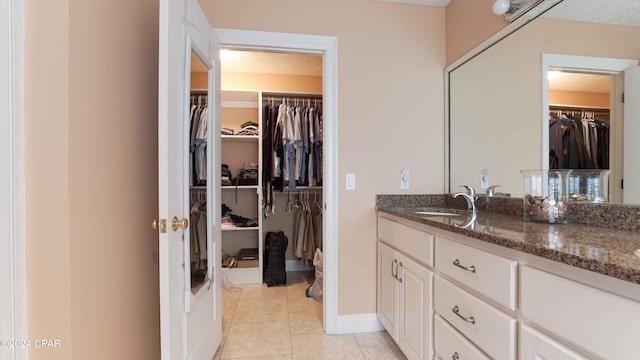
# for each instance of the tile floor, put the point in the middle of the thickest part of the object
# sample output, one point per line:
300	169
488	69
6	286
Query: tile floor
280	322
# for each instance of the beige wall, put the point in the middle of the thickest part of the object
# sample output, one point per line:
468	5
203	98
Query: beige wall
91	155
469	23
47	175
390	67
580	98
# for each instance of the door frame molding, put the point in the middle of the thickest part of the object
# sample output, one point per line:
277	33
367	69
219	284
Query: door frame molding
12	156
328	45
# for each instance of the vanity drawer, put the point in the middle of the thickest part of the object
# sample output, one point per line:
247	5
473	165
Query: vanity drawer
449	342
413	242
535	345
601	322
491	275
487	327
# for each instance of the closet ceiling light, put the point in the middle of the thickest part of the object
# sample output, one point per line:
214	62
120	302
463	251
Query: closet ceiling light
501	6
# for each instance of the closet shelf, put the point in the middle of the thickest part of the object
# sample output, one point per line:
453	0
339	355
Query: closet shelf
240	137
233	187
237	228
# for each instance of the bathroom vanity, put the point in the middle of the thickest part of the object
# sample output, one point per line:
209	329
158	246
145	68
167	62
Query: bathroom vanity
502	288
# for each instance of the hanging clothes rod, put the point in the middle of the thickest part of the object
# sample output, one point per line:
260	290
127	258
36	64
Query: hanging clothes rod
292	95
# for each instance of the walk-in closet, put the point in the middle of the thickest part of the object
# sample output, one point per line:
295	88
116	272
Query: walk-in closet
271	177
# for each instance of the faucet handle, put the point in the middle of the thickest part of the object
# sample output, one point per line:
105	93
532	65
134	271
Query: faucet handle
491	190
470	190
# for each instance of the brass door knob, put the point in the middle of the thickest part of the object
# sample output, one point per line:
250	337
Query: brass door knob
182	224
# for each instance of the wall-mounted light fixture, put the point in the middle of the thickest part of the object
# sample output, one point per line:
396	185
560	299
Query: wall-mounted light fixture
513	9
501	6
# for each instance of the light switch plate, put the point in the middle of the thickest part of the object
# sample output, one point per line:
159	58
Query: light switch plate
351	182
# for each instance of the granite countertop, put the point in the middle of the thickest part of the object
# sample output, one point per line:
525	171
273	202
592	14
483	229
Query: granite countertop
609	251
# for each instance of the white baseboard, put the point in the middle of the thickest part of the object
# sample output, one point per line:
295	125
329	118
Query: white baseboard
359	323
294	265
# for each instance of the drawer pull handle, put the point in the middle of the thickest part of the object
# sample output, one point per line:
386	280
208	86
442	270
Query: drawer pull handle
398	272
470	319
471	268
455	356
394	264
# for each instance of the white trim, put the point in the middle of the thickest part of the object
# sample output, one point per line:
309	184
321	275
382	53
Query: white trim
12	232
359	323
572	62
328	45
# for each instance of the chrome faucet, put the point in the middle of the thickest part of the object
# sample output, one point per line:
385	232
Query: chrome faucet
491	191
470	196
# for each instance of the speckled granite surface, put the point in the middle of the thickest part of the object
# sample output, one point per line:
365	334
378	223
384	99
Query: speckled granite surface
610	251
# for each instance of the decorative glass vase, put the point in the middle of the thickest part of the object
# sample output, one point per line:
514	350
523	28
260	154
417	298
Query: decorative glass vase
545	195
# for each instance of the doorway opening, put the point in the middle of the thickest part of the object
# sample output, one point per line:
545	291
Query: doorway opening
272	100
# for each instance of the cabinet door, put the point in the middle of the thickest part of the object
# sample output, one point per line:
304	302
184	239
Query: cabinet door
537	346
387	304
414	309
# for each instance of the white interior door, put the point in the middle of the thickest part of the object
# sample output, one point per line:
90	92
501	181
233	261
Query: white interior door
190	310
13	297
631	191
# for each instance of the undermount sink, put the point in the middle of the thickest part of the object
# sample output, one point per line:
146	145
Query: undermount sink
435	213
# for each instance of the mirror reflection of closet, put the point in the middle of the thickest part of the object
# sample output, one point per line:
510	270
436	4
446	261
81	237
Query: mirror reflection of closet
584	99
198	135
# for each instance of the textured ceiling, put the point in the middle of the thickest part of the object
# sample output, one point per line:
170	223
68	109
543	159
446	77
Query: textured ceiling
420	2
616	12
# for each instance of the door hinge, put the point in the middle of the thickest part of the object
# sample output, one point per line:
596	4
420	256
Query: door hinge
623	98
622	184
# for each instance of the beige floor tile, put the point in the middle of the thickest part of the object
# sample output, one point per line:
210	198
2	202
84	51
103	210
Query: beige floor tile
261	310
383	354
281	323
305	324
325	347
374	339
257	339
378	346
260	291
268	357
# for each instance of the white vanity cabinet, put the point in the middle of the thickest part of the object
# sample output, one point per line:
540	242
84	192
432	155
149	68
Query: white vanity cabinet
492	302
473	292
535	345
405	257
600	322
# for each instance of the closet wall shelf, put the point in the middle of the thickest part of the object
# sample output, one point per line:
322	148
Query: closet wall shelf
233	187
240	137
236	228
198	187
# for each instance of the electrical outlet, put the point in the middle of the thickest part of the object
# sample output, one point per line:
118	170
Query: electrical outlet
484	179
404	179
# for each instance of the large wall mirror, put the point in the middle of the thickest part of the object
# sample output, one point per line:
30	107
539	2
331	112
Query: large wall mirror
500	100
